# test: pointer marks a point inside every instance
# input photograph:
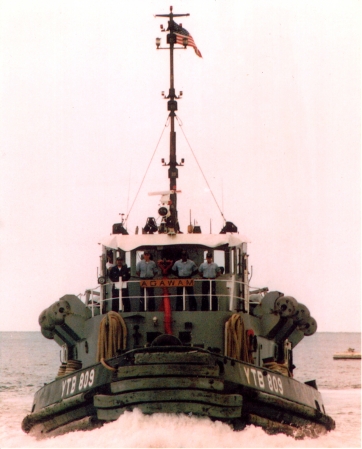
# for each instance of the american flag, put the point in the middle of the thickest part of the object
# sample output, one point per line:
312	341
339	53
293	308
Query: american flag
180	33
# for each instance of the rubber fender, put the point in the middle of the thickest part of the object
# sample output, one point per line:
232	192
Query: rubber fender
309	327
47	334
46	325
286	306
45	320
166	340
302	314
58	311
42	318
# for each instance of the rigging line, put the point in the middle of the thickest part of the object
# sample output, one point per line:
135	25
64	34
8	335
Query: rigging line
192	151
129	187
138	191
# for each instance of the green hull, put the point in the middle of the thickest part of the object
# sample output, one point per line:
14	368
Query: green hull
182	380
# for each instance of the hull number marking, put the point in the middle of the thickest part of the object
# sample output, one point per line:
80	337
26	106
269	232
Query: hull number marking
273	383
77	383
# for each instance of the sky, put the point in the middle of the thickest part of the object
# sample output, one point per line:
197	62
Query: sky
271	112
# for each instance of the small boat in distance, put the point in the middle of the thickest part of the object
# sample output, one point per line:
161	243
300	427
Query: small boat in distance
349	354
189	337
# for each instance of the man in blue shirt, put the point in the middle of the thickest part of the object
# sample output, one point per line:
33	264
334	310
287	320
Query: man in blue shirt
147	269
184	269
209	270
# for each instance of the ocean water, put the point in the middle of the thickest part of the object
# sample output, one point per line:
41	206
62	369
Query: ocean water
28	360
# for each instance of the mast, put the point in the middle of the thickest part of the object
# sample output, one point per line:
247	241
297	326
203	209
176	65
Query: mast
172	220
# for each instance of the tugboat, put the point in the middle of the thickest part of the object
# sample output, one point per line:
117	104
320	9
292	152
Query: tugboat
167	332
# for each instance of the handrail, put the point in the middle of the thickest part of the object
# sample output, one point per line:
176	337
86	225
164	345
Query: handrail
94	299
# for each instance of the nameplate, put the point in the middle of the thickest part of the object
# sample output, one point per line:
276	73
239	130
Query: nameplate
167	283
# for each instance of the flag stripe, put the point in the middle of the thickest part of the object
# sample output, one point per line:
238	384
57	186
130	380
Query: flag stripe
190	41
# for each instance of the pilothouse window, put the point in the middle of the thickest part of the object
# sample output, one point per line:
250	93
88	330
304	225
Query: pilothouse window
219	258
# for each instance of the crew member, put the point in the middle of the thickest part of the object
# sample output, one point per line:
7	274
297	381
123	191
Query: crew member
117	273
146	269
209	271
184	269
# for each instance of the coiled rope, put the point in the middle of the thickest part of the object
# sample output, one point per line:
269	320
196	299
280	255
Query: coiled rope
281	368
236	342
112	336
237	346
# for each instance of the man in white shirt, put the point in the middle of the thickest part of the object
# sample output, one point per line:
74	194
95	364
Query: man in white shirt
147	269
209	270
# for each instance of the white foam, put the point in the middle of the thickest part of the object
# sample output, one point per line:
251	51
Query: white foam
135	430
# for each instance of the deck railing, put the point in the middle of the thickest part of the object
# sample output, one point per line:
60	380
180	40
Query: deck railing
226	293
